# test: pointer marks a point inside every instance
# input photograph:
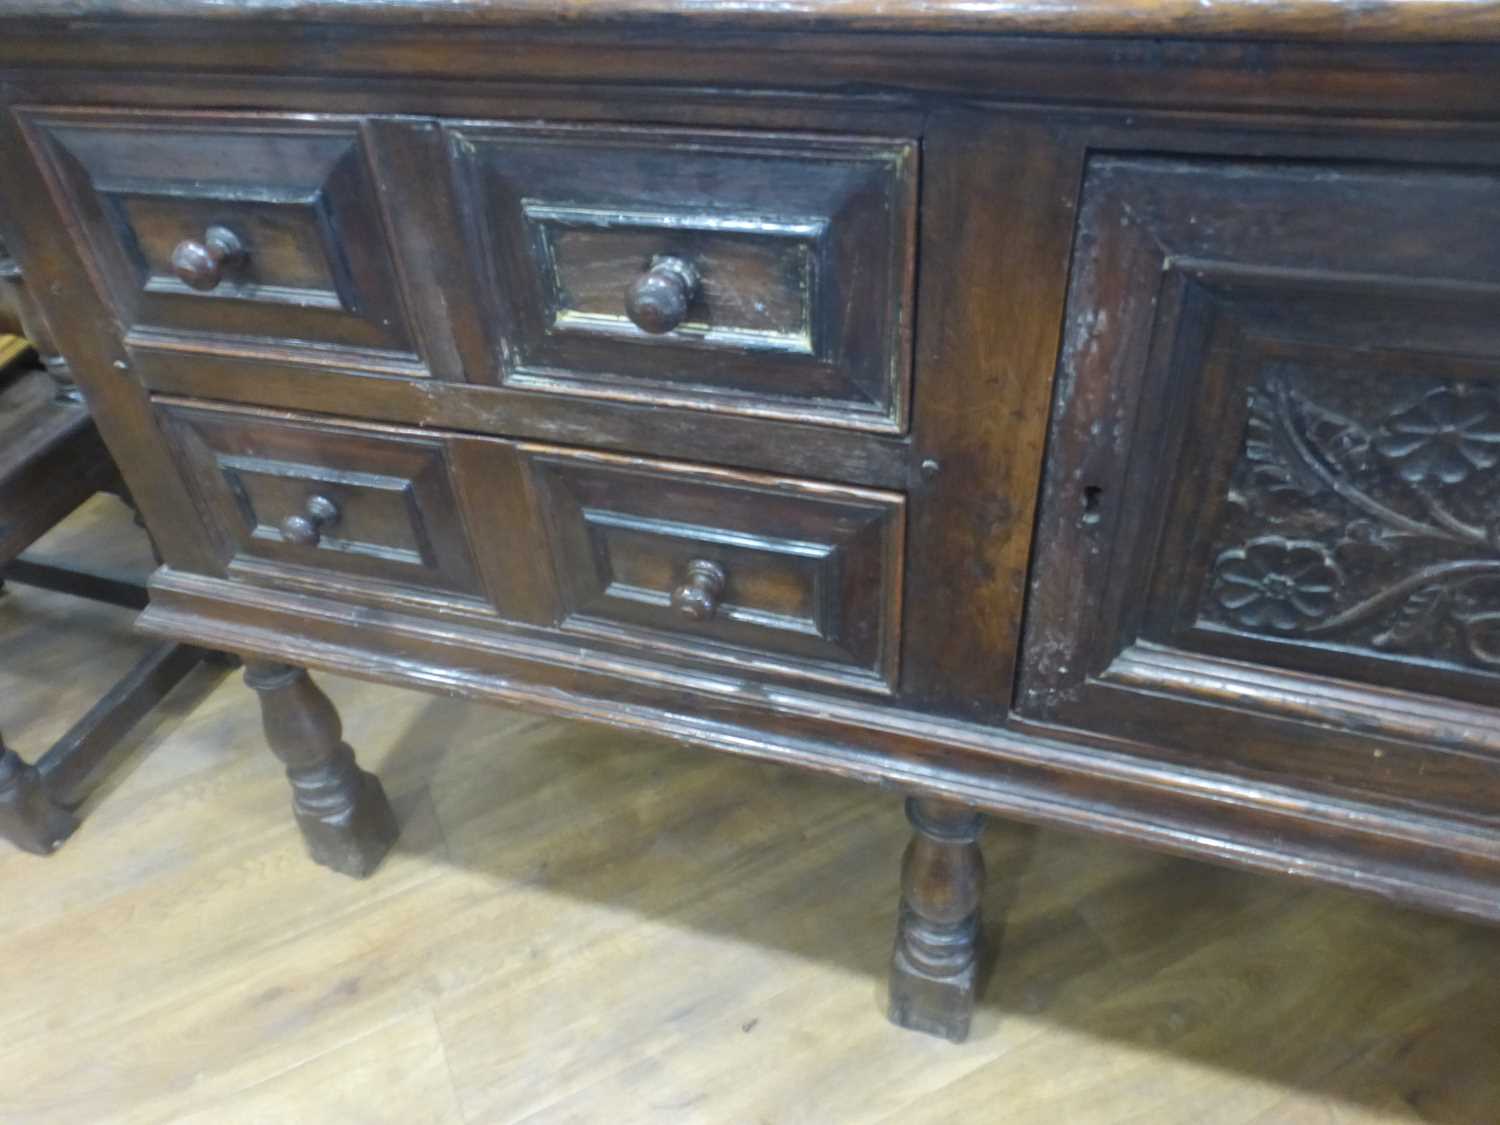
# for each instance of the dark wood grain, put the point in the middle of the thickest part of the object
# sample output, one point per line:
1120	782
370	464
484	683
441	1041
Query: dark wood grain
73	762
798	251
1440	80
809	574
691	369
30	817
1428	860
986	344
1383	20
255	228
653	429
368	506
345	819
935	966
1271	444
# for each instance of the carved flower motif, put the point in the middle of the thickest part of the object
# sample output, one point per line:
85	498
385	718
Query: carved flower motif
1275	583
1444	436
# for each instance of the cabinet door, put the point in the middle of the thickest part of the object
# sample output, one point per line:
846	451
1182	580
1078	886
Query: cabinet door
1270	530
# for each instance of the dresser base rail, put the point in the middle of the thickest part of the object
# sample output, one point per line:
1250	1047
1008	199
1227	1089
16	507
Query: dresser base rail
1397	854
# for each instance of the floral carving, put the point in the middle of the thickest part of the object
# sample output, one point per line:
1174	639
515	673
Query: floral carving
1274	583
1381	534
1444	436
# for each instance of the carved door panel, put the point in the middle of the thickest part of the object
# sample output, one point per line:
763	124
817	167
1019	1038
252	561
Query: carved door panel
1272	502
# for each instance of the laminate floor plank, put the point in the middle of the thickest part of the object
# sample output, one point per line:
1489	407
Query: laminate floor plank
403	1059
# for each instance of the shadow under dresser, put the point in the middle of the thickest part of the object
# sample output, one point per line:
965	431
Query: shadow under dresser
1086	412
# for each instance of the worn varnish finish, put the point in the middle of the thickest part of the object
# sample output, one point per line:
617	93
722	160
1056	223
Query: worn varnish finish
1295	366
377	507
1384	20
275	219
765	275
1099	426
785	575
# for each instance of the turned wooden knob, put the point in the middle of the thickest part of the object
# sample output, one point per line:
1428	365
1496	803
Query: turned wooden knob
203	265
698	597
307	527
658	300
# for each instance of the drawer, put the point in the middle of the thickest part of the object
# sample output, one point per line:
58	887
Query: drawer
232	232
767	275
310	501
768	574
1270	530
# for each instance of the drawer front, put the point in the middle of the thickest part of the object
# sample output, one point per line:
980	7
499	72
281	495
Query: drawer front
768	574
227	232
766	275
1273	493
305	500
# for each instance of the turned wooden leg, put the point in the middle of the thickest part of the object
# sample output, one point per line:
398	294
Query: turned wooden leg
29	817
342	810
935	966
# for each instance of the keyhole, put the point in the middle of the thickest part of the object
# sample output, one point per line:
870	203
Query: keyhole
1091	495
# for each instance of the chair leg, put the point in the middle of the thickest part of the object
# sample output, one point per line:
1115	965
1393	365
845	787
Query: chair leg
342	811
29	817
935	965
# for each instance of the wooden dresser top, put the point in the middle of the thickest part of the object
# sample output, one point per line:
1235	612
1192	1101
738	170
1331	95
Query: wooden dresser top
1389	21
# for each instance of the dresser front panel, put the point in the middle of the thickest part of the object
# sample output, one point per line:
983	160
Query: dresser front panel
763	576
766	573
798	250
225	232
312	501
1270	532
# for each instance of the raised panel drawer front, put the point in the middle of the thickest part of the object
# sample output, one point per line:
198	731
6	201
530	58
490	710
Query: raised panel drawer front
303	499
226	232
766	275
1270	531
764	573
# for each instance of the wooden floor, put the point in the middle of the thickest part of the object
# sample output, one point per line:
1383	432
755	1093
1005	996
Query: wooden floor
585	926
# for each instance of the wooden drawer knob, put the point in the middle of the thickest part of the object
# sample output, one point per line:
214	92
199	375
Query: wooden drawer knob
307	527
698	597
202	265
658	300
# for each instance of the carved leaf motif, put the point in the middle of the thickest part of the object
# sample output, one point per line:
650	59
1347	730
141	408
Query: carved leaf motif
1297	445
1382	532
1339	446
1416	619
1274	461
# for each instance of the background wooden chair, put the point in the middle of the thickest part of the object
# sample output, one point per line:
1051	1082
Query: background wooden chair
51	461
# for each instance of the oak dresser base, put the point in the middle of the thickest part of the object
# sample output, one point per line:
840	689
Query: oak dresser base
1085	412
